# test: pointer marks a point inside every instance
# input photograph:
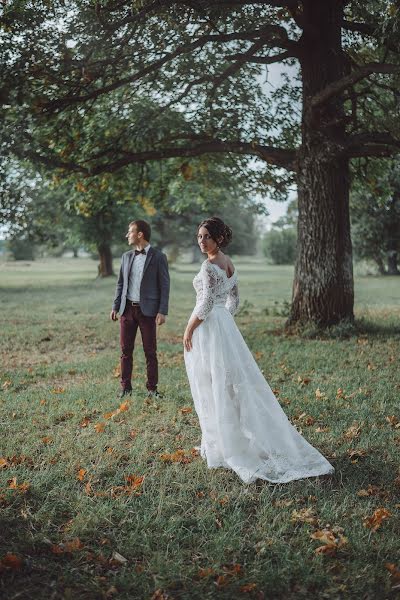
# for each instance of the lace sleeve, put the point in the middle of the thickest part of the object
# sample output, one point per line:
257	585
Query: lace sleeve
209	290
232	302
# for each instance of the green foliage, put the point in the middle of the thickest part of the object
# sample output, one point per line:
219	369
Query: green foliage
21	249
375	214
280	246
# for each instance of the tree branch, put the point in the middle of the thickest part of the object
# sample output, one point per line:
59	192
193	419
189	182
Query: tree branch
336	87
371	31
263	60
378	143
279	157
156	65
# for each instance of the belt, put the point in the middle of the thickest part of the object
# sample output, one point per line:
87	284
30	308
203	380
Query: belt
132	303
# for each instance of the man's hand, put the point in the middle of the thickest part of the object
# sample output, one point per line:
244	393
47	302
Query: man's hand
114	315
160	319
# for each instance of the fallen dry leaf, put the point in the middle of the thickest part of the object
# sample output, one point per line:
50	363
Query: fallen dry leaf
10	561
160	595
118	558
186	410
85	422
179	456
248	587
206	572
58	390
331	540
117	371
319	395
321	429
134	481
304	515
71	546
303	380
376	520
354	455
100	427
394	572
352	432
393	421
81	474
47	440
4	463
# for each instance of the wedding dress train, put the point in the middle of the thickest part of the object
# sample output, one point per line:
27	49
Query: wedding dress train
243	425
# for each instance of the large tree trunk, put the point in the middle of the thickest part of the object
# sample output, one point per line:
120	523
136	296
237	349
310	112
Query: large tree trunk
323	281
105	256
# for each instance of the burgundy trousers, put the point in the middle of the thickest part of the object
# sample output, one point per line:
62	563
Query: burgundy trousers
130	321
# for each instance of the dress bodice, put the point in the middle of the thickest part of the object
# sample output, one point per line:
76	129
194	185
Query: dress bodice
214	288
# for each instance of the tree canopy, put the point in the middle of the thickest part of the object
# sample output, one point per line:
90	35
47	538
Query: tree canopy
94	86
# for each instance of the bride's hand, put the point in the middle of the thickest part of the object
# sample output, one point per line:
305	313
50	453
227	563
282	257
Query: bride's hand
187	340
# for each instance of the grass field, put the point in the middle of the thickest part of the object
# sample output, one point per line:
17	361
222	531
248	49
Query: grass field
102	500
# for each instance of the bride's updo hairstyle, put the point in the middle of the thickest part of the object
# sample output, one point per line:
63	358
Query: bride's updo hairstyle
218	230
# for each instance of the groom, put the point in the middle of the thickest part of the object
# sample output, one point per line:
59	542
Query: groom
141	298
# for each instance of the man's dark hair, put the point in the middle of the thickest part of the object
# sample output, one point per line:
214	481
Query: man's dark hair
144	227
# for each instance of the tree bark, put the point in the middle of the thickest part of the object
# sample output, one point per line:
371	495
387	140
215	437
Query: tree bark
323	283
105	256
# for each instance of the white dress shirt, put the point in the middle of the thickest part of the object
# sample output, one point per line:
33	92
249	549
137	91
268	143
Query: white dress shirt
135	276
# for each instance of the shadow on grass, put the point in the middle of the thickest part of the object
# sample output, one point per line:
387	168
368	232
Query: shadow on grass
382	329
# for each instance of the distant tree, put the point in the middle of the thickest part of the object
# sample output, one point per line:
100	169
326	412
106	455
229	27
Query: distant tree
375	216
280	246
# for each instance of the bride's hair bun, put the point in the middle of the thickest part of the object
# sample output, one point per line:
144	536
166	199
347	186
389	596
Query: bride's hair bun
219	231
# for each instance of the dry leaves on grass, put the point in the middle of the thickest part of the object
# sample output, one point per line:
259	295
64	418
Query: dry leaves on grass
58	390
19	487
302	381
372	490
132	487
81	474
352	432
355	455
10	562
180	456
160	595
393	421
71	546
122	408
376	520
186	410
248	587
100	427
304	515
47	439
332	540
394	574
319	395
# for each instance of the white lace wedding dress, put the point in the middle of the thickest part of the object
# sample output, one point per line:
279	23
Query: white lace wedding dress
243	426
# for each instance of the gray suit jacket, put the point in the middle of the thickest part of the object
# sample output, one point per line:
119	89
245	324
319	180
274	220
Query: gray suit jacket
154	289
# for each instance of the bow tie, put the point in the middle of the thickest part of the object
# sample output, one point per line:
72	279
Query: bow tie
140	252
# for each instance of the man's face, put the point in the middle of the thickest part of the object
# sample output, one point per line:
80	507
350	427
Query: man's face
133	236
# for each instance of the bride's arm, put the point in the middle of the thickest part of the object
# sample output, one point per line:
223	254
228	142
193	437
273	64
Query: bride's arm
203	309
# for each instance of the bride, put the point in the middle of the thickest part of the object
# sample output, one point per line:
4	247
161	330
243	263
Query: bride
243	426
